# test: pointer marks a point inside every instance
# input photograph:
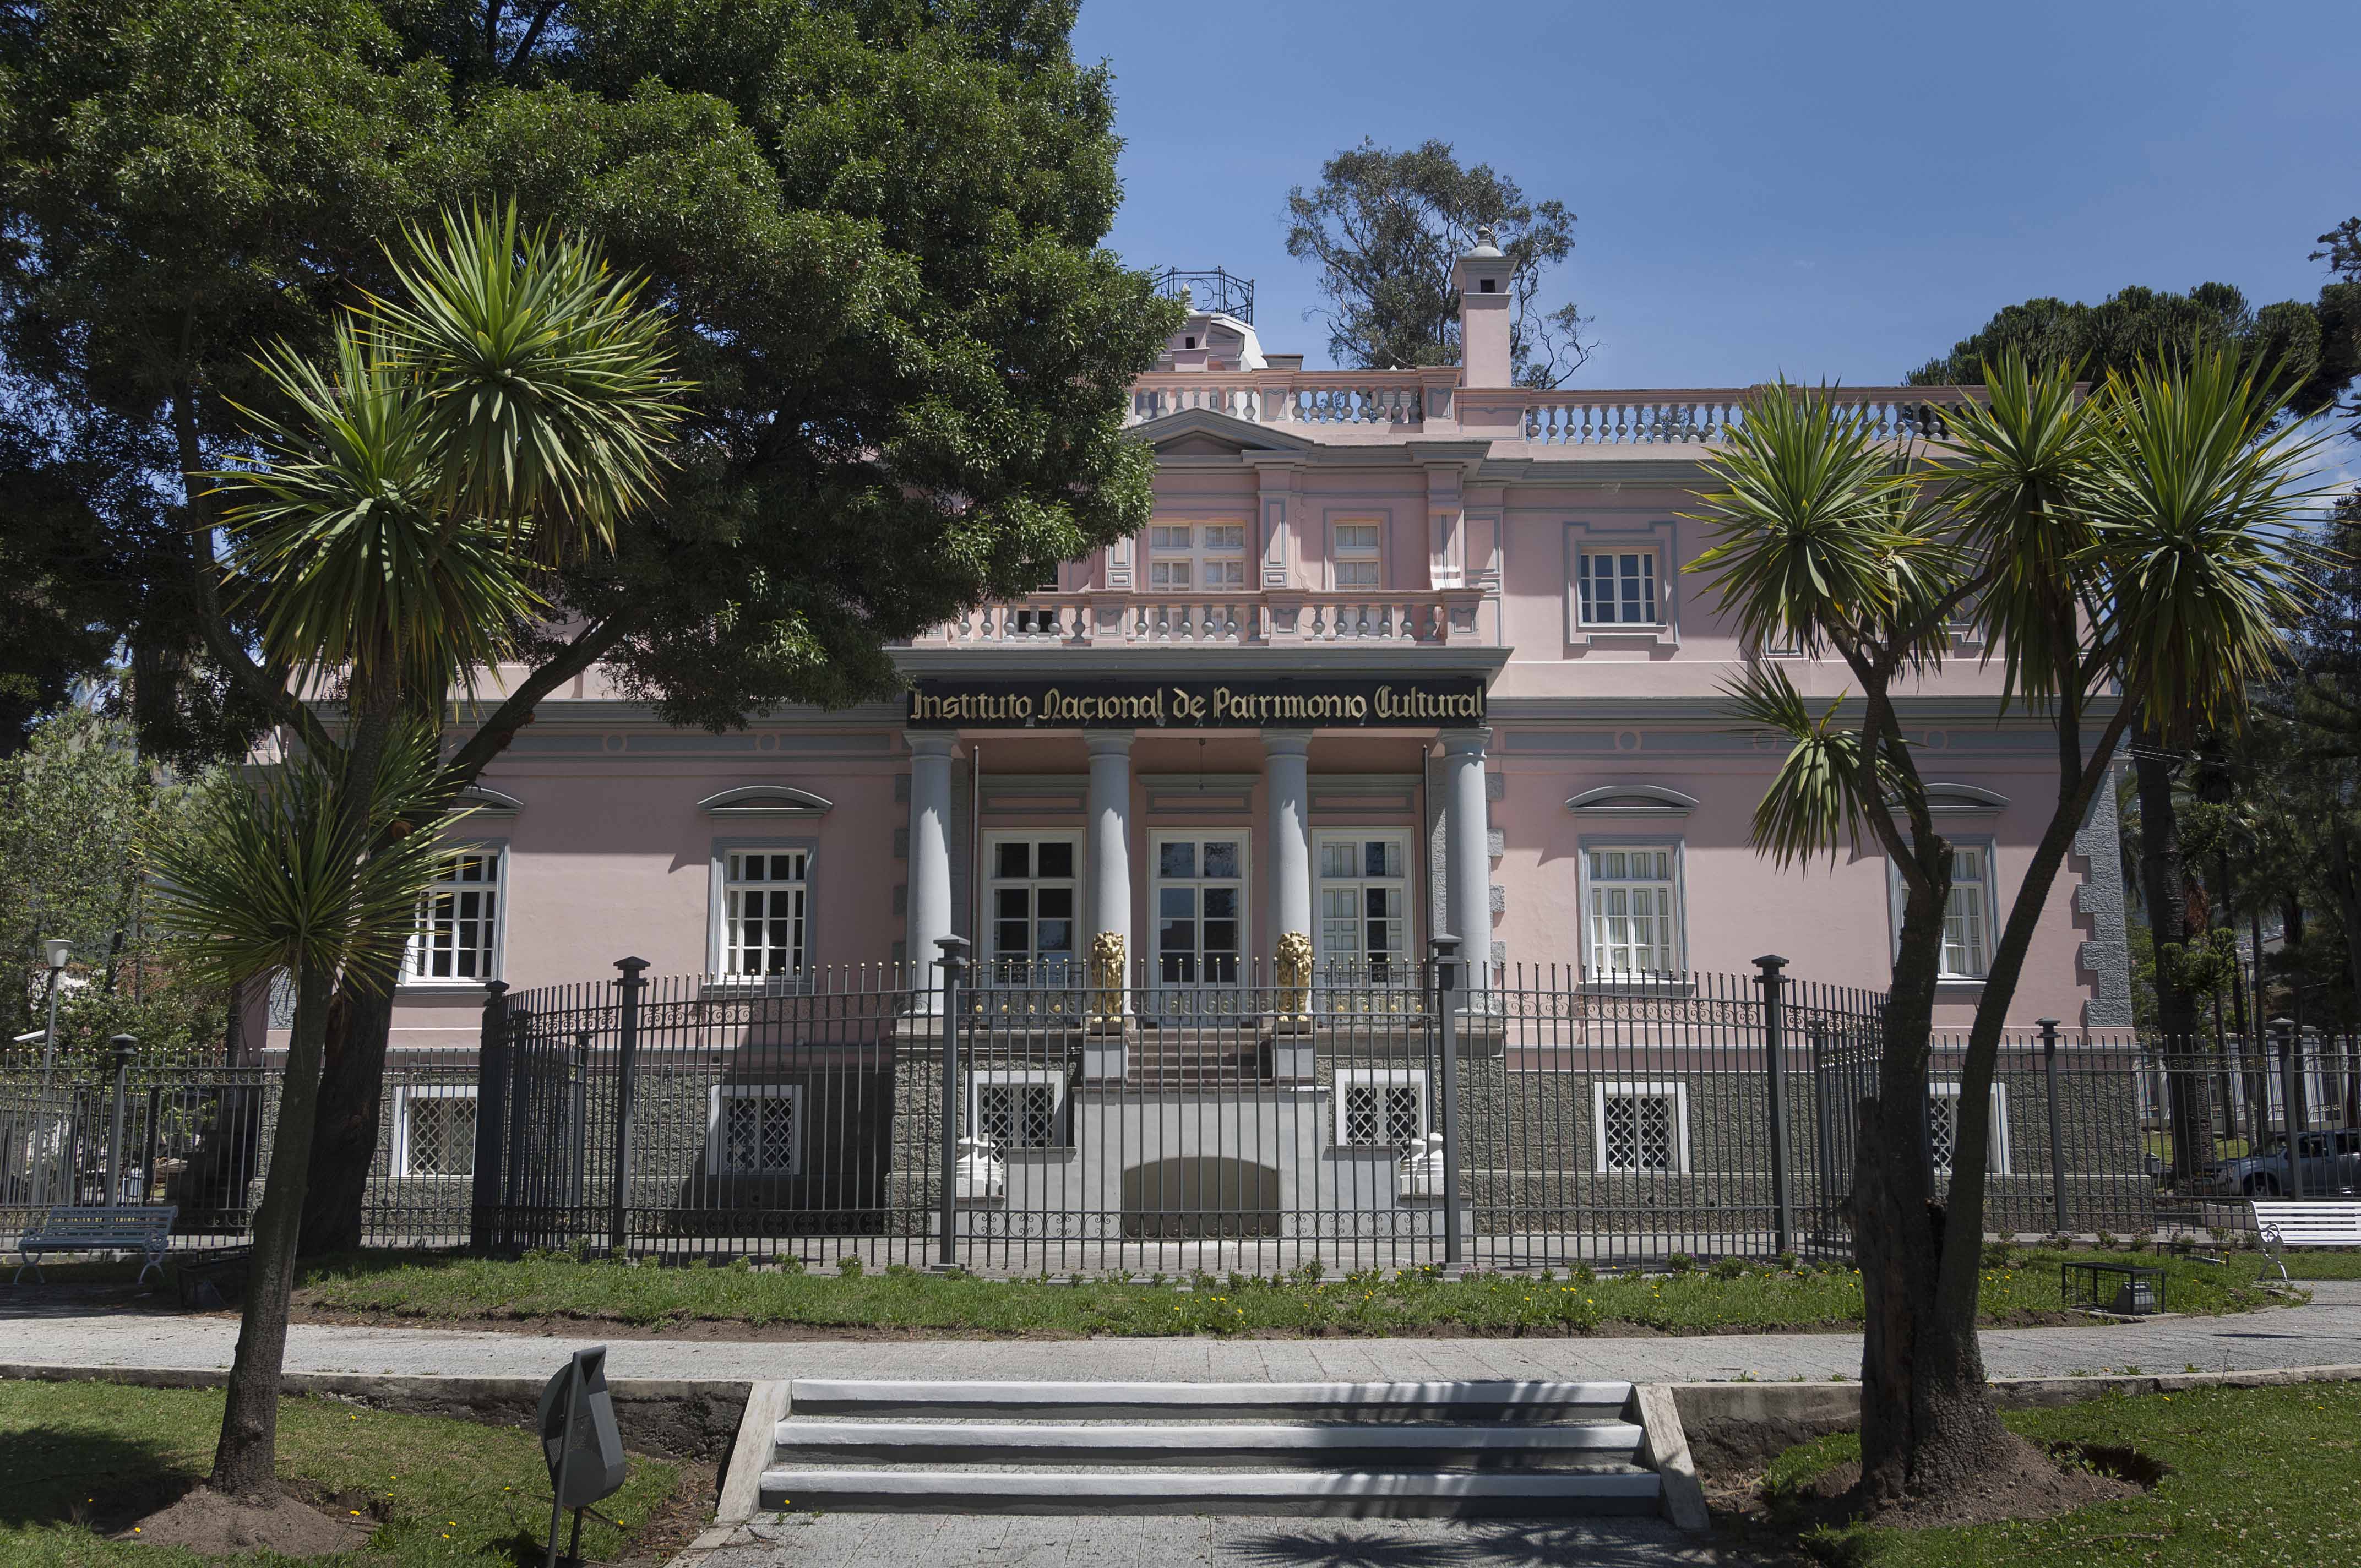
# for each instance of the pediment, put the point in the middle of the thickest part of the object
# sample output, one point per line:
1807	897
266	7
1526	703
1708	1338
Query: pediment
765	800
1194	432
1632	800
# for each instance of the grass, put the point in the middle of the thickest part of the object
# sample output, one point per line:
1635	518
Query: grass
1728	1297
2258	1476
80	1461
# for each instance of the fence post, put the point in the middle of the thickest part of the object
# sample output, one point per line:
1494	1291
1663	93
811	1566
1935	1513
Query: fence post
627	1051
123	1045
953	959
518	1182
1775	1054
1445	948
2057	1126
492	1097
2283	1032
578	1134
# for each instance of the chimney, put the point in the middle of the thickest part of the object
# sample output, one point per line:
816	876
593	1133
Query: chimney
1482	279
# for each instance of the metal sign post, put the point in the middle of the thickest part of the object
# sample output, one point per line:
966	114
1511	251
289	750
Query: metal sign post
579	1441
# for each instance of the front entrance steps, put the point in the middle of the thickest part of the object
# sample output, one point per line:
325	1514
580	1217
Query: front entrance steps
1356	1450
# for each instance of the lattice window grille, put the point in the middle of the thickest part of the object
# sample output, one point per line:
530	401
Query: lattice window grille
1017	1115
1943	1128
439	1135
1376	1113
760	1133
1639	1133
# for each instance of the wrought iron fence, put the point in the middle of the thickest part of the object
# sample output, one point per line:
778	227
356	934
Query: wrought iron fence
1017	1120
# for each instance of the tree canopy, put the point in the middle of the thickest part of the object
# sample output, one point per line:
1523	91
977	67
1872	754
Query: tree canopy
2314	348
1385	228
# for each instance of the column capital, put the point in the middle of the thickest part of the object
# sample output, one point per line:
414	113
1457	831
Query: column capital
1285	742
1108	742
930	742
1466	743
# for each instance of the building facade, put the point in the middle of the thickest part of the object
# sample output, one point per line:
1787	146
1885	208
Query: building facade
1399	654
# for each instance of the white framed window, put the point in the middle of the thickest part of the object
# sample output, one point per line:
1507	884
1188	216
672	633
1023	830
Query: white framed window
1943	1128
1197	557
1018	1108
1967	917
435	1130
1358	557
1381	1107
1364	902
1632	904
456	937
1619	587
1034	883
1639	1129
754	1129
766	896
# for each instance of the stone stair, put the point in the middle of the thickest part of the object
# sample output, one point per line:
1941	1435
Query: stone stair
1350	1449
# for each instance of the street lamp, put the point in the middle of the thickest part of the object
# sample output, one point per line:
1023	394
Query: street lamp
54	949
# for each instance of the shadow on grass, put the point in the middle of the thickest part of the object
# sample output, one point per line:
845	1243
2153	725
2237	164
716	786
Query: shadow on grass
76	1475
1485	1543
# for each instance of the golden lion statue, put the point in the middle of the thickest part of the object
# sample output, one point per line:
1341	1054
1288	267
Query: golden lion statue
1294	974
1107	977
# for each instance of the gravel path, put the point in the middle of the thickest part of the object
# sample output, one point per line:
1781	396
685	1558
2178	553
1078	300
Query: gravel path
52	1333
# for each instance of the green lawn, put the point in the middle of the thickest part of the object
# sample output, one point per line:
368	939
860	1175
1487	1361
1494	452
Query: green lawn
2258	1476
81	1461
453	1288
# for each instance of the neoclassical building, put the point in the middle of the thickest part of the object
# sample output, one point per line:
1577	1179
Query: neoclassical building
1397	653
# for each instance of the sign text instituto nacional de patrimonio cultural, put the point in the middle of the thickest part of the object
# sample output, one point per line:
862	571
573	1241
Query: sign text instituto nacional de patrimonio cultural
1193	705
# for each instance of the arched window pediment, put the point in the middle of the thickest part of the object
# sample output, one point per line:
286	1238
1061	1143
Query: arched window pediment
765	800
1631	800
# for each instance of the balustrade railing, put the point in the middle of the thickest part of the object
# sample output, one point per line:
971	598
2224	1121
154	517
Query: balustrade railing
1580	418
1237	619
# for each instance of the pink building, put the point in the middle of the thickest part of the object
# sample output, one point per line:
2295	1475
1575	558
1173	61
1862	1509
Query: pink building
1400	652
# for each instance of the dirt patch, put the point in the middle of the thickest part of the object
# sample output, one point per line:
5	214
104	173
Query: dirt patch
2032	1482
213	1525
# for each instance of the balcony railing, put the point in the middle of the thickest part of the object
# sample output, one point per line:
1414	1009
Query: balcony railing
1378	403
1409	617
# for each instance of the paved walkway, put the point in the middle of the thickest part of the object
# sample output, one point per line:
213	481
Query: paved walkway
2326	1333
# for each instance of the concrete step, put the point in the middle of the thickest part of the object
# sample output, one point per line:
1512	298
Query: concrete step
1469	1402
1352	1445
1357	1494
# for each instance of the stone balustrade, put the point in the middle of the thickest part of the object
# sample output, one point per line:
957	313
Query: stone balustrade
1582	418
1334	397
1409	617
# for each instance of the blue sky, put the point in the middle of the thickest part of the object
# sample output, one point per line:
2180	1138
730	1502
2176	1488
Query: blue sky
1836	191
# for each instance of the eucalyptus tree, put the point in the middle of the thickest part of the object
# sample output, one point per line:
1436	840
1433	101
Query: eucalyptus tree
2130	557
285	873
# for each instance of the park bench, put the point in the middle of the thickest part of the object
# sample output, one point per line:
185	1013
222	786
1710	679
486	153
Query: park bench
2305	1221
146	1230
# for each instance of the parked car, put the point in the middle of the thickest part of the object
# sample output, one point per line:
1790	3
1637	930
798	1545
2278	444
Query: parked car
2332	1163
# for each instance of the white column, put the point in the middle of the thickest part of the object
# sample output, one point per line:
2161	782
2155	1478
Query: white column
1107	870
1286	777
931	849
1467	851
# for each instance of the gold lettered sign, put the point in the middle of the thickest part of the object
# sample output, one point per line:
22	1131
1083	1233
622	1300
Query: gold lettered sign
1047	704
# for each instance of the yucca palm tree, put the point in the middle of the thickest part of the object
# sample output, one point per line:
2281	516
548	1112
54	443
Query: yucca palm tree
2142	542
279	874
411	495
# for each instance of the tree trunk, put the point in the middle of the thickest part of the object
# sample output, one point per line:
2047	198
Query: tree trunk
2164	887
352	1094
245	1462
1927	1426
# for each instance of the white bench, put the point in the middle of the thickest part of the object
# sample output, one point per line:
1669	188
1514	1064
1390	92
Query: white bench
146	1230
2305	1221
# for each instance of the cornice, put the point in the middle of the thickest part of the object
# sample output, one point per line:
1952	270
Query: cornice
1169	663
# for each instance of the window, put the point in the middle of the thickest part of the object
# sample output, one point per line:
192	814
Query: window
1641	1129
755	1129
1364	902
1943	1128
1199	908
1964	922
1618	588
1359	561
1016	1108
1633	910
1378	1107
456	935
763	905
1191	557
435	1130
1032	894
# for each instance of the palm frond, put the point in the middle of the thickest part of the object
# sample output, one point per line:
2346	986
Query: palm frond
1813	804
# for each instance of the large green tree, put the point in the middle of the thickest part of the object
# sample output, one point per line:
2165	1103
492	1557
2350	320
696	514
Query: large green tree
875	224
1386	229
